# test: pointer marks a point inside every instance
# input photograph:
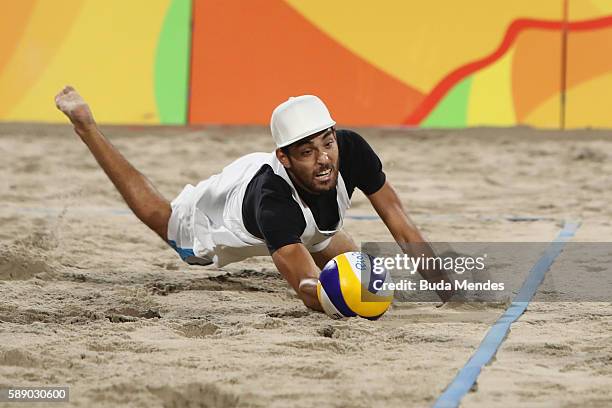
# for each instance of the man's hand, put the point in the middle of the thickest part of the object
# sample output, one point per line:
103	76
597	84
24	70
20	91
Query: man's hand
76	109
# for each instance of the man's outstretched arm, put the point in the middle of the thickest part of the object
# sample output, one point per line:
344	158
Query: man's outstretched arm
137	191
297	266
387	204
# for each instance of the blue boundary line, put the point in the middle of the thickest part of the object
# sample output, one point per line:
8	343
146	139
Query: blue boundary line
467	376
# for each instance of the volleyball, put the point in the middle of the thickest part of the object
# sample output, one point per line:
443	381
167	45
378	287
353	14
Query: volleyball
349	286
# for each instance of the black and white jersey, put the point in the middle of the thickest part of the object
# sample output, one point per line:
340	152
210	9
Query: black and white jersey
253	208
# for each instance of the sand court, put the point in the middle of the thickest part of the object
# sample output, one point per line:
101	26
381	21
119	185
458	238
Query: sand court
92	299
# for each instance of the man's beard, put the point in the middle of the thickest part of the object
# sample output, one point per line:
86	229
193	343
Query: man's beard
312	186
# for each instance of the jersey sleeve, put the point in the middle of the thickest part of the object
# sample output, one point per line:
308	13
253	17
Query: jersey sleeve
362	166
278	216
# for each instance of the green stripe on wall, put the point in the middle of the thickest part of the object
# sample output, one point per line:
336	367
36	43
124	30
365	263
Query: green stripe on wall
452	110
172	64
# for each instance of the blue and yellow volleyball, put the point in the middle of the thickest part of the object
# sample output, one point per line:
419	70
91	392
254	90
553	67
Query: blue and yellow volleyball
348	287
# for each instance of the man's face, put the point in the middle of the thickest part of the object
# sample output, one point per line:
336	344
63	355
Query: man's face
313	162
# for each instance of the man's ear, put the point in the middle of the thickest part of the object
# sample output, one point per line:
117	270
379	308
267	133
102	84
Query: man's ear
283	158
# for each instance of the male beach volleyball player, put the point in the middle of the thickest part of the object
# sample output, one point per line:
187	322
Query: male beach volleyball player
289	203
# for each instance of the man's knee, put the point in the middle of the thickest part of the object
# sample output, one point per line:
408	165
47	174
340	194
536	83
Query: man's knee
157	219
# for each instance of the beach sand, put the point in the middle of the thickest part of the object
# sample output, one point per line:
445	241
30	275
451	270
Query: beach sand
93	300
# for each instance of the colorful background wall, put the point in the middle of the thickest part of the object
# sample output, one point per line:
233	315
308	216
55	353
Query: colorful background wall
440	63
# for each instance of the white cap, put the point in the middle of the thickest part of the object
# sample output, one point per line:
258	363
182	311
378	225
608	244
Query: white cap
297	118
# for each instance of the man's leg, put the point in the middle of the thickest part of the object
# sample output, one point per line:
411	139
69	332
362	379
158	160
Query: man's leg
137	191
341	242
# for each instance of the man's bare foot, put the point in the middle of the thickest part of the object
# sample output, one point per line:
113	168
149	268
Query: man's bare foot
76	109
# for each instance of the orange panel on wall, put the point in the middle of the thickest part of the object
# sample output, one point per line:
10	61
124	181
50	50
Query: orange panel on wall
589	68
536	71
245	62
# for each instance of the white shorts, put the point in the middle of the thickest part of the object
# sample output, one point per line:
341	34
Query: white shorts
197	244
180	227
